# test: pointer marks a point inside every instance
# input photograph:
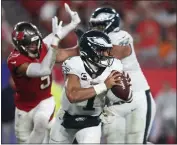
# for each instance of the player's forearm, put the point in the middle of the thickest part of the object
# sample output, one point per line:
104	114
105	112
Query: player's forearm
48	39
120	52
67	52
45	67
82	94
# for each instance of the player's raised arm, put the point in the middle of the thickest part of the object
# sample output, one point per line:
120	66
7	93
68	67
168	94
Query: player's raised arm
67	52
45	67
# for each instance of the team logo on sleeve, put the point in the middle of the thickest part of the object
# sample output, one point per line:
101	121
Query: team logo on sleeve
65	69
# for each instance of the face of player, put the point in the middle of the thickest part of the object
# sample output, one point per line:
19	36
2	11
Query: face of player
99	28
33	47
105	58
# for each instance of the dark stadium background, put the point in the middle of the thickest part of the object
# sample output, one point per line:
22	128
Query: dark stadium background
153	27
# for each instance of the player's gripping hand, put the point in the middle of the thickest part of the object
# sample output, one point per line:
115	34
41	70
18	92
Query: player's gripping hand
60	31
126	75
75	19
113	79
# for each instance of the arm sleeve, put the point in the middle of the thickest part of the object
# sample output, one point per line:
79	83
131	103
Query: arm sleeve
121	37
45	67
48	39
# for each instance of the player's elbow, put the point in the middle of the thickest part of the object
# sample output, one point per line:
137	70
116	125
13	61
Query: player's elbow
45	72
72	97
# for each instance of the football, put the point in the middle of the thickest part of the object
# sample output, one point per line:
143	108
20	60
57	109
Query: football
123	90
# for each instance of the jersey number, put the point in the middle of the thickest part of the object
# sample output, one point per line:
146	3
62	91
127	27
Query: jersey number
89	106
45	82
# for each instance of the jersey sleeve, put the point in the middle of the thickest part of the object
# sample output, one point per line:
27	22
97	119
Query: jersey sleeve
120	36
70	66
15	60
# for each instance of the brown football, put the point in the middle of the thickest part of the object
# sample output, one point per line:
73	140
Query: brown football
122	91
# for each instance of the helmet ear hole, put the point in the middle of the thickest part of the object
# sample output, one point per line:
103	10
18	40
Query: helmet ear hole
96	59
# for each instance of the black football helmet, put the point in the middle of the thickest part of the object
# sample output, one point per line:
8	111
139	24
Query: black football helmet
104	19
95	47
27	39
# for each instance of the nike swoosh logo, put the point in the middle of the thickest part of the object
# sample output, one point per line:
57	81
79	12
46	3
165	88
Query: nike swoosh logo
122	37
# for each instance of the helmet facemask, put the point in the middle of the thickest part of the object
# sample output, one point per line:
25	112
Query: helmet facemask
103	58
96	47
33	48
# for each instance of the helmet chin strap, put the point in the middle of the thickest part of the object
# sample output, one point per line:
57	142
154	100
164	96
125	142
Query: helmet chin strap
116	29
94	67
32	55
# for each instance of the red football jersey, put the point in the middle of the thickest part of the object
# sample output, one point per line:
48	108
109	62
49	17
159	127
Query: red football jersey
29	91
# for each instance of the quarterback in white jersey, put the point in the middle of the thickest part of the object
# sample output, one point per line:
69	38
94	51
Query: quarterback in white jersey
87	79
125	123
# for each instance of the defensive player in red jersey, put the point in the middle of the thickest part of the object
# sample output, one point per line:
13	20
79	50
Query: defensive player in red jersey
31	65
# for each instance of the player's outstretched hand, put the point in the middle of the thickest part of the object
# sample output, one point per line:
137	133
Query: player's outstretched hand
57	29
113	79
75	19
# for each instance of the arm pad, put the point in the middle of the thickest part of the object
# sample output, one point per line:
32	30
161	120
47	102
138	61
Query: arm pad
45	67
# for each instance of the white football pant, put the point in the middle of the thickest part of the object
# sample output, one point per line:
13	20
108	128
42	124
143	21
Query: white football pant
129	122
25	122
59	134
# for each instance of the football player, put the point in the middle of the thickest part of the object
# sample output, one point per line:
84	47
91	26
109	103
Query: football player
125	122
87	79
141	111
30	64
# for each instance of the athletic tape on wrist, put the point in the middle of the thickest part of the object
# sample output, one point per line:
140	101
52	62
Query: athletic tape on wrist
100	88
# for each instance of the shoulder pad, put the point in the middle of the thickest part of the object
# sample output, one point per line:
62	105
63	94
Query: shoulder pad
116	37
16	59
72	65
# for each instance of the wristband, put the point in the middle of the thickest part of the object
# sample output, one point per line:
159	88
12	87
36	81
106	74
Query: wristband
100	88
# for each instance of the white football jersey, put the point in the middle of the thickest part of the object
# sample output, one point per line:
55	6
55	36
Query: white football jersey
130	63
93	106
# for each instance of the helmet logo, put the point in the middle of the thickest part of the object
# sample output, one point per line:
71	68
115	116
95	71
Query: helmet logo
99	41
17	35
34	38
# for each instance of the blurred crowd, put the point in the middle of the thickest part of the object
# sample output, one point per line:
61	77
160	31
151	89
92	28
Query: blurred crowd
152	25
